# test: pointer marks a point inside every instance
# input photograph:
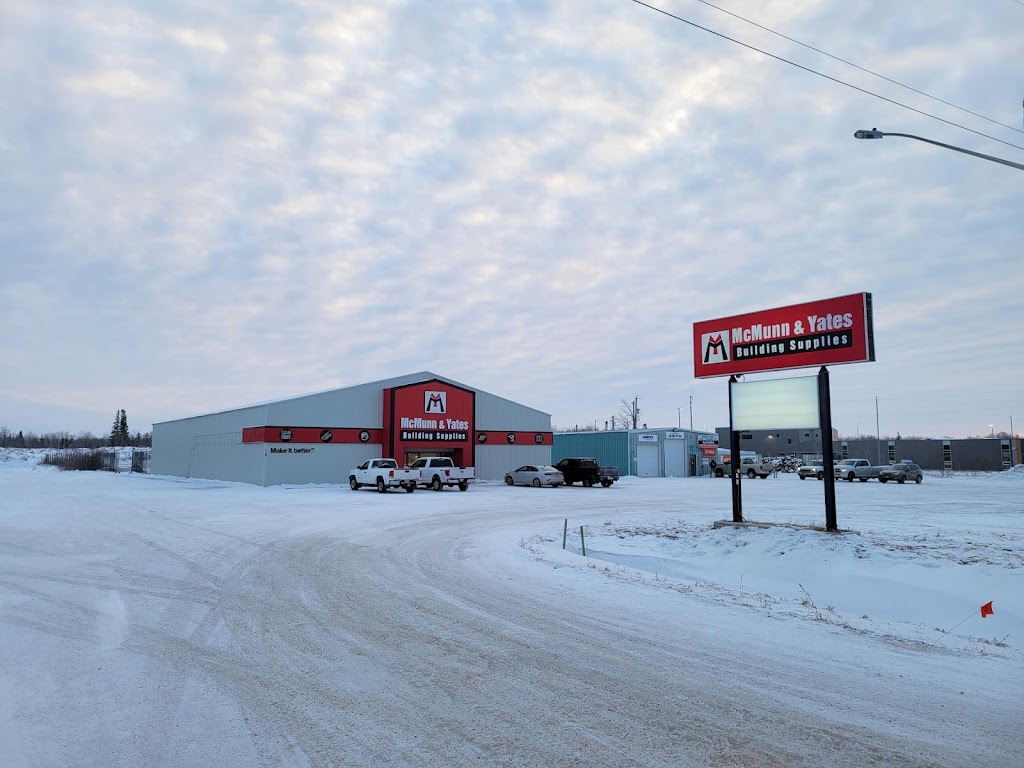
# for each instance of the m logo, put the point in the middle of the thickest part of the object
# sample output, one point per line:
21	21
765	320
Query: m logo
435	402
715	346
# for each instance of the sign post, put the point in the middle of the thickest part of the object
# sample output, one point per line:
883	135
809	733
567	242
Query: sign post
825	412
734	463
817	333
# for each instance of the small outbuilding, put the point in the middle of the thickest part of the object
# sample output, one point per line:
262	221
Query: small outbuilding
318	438
662	452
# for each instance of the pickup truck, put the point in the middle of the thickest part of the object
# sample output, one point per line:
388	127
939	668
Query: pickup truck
856	469
383	473
748	466
436	472
578	469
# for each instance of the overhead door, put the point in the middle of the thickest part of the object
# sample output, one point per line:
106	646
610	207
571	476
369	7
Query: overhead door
648	459
675	458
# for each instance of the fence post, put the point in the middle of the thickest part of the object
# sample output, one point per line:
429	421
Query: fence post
565	532
582	542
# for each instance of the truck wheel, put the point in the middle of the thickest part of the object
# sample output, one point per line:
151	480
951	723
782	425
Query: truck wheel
353	484
918	479
410	488
719	473
820	475
862	479
802	477
435	484
463	486
849	477
606	483
381	488
751	474
764	477
883	479
588	483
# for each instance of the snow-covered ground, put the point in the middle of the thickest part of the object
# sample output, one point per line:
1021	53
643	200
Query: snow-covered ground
159	621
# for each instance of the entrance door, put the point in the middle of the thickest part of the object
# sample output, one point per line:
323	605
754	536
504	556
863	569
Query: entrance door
648	458
412	454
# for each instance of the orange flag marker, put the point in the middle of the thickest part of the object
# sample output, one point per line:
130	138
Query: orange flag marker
986	609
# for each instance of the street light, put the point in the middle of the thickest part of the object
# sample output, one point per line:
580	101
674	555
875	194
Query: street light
992	429
876	134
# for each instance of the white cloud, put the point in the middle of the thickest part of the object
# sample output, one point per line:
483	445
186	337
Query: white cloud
217	206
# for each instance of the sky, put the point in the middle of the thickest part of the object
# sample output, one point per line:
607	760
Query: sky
207	205
149	620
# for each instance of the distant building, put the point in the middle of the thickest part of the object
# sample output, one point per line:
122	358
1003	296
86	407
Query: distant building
982	454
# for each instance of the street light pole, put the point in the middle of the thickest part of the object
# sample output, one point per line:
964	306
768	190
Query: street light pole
1012	441
876	134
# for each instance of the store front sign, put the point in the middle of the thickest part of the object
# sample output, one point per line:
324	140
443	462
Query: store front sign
817	333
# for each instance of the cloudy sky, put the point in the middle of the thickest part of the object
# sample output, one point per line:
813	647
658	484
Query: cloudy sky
209	204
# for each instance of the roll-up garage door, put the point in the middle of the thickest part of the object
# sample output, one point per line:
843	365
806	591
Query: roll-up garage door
675	458
648	459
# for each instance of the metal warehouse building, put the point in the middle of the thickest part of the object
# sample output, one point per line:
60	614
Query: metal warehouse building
318	438
640	452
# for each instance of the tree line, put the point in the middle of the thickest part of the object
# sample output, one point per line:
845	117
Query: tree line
120	435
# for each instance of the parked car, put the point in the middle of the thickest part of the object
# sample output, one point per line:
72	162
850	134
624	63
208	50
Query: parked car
749	467
384	474
856	469
535	475
578	469
814	469
901	473
436	472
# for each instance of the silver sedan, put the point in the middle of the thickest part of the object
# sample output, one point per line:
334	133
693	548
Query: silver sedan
535	475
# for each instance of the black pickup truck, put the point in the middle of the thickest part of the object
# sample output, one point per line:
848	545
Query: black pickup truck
586	471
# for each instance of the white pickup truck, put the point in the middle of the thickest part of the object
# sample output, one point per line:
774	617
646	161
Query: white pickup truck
749	466
435	472
383	473
856	469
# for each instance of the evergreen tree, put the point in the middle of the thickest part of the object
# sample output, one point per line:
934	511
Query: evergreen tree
122	428
116	429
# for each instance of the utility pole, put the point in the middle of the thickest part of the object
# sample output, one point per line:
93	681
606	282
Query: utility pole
691	411
878	433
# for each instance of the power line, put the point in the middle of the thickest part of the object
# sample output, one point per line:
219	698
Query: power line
858	66
829	77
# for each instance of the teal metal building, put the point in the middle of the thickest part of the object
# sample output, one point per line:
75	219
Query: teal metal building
638	452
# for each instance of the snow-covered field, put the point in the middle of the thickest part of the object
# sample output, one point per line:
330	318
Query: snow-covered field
149	621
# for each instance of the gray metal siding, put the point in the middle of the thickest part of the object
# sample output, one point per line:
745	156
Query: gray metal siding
968	455
328	464
209	446
355	407
494	461
497	413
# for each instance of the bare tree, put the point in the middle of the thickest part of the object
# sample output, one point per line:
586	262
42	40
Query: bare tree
629	412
